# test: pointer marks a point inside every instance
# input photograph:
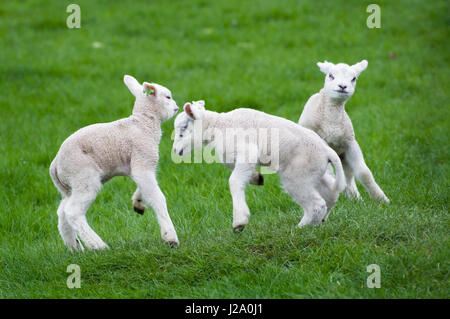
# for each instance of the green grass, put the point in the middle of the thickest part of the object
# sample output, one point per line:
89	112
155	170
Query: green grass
258	54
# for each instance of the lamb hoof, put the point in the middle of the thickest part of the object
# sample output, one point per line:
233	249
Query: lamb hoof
172	244
140	211
99	246
76	247
257	179
260	179
79	246
239	228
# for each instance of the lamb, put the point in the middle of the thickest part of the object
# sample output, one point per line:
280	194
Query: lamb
325	114
297	154
96	153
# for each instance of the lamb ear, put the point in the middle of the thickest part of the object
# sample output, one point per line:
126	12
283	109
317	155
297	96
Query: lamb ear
201	103
149	89
359	67
188	111
193	111
325	67
132	84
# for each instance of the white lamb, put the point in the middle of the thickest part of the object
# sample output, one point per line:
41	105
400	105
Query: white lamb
324	113
96	153
302	162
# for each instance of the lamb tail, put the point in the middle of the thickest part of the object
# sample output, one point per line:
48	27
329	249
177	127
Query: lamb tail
63	188
340	182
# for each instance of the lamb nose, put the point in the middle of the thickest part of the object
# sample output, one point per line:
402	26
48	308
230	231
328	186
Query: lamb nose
342	86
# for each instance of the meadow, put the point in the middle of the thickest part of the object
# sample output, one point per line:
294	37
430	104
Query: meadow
258	54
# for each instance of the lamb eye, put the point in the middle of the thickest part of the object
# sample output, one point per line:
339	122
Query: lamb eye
354	79
168	97
181	131
331	76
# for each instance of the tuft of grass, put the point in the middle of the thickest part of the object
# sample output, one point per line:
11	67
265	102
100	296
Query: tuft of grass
258	54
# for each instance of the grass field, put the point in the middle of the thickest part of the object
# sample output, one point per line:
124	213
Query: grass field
258	54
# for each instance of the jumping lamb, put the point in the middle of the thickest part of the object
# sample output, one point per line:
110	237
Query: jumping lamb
325	114
244	139
96	153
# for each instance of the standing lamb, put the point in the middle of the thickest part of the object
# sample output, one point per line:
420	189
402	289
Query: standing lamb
96	153
297	154
325	114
